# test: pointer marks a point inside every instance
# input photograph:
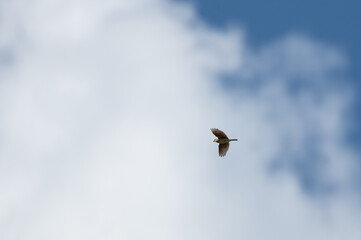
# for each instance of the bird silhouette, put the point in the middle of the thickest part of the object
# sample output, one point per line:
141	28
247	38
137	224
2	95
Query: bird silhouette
223	141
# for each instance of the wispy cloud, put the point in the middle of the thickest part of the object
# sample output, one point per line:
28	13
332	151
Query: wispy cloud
106	109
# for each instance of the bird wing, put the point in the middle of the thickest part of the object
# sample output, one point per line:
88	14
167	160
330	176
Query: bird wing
219	134
222	149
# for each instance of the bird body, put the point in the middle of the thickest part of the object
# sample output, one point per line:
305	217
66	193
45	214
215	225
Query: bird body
223	141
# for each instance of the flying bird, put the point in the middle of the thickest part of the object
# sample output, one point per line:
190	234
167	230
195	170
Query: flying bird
223	141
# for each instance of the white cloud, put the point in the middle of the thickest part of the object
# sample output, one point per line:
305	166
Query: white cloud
106	108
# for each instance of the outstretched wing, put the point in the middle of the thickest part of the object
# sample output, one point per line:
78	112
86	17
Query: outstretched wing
219	134
223	148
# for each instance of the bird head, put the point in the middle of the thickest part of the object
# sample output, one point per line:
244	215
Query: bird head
215	140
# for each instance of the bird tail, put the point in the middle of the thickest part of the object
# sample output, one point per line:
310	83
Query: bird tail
233	140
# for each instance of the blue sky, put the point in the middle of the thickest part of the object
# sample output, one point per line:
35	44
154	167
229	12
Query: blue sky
106	108
335	23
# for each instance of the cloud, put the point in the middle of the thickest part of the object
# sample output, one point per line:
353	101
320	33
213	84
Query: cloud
106	109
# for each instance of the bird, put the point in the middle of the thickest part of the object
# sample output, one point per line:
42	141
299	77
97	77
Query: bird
223	141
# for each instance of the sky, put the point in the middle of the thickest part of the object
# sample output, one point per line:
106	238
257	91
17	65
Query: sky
106	109
334	22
